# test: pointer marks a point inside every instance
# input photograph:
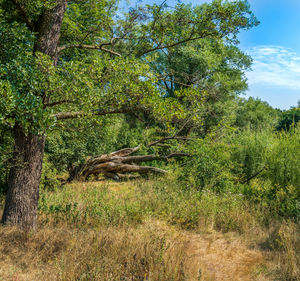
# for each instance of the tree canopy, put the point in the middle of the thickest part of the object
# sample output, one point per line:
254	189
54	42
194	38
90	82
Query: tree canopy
109	63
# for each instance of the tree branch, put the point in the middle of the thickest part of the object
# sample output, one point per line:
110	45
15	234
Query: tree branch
23	14
97	112
168	138
253	176
190	38
90	47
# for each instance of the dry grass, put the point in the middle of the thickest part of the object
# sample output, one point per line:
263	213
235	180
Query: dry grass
153	251
227	245
289	257
98	254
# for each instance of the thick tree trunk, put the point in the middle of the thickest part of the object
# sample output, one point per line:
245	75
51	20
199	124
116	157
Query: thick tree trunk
23	182
24	179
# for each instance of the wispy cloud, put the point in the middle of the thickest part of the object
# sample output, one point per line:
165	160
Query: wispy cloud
274	66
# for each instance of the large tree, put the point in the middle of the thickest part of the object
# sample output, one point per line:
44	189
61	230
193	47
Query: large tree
64	59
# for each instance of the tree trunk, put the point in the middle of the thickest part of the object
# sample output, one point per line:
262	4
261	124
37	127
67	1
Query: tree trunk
23	184
24	178
119	163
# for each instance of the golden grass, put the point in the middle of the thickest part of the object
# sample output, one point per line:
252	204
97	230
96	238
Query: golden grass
98	254
151	250
154	250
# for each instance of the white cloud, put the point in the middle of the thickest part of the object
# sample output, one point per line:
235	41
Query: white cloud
274	66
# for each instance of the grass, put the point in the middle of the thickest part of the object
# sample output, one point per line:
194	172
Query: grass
150	230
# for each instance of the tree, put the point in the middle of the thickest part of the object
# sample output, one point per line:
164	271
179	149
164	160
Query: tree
212	68
289	118
255	114
62	59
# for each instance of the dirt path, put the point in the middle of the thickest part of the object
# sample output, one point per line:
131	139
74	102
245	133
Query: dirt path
214	256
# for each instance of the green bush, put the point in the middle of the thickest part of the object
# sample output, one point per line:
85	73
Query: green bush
280	201
268	164
49	176
248	153
283	160
209	167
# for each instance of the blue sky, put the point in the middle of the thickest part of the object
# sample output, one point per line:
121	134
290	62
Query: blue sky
275	48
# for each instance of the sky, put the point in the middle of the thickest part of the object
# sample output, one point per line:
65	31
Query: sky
274	46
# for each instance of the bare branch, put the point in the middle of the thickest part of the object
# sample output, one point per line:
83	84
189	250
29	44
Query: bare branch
125	151
117	163
254	176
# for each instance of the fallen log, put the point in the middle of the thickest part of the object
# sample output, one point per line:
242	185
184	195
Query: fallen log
117	164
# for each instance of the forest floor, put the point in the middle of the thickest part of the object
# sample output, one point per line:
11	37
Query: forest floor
79	241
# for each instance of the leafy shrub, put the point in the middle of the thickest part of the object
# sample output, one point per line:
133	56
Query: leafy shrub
271	161
210	166
248	153
49	176
283	160
289	119
280	201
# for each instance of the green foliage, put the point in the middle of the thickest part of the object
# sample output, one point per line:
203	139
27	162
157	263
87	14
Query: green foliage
6	147
280	201
254	114
289	119
82	80
283	160
49	179
249	151
209	167
262	165
271	160
205	77
23	78
276	155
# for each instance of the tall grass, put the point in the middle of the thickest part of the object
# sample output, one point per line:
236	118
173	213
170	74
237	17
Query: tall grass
110	231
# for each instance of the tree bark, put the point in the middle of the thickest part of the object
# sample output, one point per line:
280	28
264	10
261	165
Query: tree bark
24	178
119	163
23	184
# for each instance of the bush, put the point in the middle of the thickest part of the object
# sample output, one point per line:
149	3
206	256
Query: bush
49	176
268	164
283	159
209	168
249	152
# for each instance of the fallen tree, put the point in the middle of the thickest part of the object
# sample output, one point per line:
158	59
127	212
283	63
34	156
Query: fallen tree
119	164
